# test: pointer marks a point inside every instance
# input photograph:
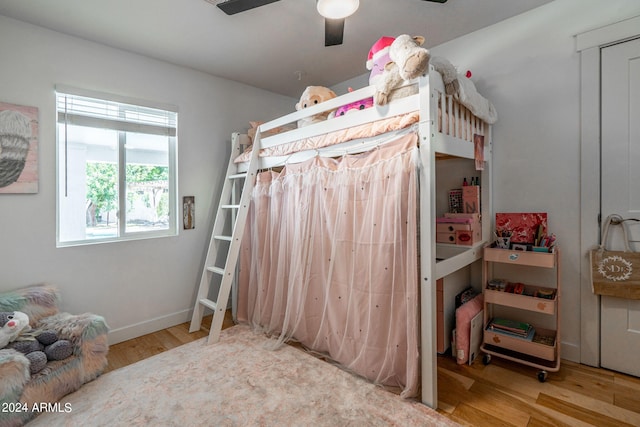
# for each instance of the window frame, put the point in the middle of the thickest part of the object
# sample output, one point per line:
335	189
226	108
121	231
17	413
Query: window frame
170	129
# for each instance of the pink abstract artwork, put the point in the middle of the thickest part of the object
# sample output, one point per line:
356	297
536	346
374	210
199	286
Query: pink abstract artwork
522	226
18	149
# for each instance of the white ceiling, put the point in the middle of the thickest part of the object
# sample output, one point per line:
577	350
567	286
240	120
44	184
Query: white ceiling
265	47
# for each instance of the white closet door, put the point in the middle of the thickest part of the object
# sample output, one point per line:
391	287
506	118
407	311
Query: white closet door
620	318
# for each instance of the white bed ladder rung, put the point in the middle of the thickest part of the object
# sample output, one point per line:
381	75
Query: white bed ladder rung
216	270
231	214
208	303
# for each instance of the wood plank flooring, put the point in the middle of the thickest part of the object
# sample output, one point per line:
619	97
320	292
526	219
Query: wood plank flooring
501	393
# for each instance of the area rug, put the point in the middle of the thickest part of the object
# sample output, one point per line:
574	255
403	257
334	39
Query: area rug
236	382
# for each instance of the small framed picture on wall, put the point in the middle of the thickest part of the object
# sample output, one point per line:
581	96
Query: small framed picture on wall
189	212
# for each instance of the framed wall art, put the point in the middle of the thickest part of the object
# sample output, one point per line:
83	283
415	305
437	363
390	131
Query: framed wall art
189	212
18	149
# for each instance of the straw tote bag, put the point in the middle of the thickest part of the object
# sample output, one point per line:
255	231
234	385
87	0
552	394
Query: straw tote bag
615	273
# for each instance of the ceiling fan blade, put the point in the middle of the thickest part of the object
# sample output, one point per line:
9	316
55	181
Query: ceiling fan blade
333	31
231	7
437	1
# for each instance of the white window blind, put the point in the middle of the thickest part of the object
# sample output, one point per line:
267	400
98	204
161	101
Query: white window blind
108	114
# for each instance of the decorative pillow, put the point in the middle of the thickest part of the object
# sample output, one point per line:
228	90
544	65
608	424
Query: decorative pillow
464	314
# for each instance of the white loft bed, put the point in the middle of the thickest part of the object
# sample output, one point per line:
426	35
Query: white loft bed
446	129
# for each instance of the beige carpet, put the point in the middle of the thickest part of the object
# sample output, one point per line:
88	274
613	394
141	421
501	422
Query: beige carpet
235	383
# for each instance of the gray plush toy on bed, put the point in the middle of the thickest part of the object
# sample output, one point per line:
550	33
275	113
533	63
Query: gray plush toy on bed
39	347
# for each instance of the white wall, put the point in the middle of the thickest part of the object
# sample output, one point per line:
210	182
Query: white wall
139	286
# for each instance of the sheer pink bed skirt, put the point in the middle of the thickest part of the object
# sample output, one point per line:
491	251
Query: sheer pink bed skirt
329	259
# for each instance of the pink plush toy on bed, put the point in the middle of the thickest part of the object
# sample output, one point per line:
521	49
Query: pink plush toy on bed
354	106
376	60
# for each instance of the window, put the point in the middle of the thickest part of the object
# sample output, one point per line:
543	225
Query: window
116	169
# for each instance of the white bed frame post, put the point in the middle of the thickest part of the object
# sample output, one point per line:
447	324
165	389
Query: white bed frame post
427	178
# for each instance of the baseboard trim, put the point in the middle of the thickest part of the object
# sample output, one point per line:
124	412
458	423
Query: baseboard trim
570	351
148	326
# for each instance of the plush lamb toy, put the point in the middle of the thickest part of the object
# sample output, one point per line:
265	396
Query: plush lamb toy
38	347
409	61
311	96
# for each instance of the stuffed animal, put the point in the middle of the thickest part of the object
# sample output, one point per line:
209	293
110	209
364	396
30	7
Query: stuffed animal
460	86
354	106
39	347
378	58
311	96
11	326
409	60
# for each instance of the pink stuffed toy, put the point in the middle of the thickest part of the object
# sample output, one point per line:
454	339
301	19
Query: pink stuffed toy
378	58
354	106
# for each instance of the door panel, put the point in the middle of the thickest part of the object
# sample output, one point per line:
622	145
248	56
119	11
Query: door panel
620	318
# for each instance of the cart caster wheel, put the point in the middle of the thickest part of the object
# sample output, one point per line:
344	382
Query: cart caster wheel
486	359
542	376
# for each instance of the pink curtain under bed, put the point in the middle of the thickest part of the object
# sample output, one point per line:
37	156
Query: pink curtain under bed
329	259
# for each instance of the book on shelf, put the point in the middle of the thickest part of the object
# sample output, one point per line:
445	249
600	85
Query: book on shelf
511	327
544	339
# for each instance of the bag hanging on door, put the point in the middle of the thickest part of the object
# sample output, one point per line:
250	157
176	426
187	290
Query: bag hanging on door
615	273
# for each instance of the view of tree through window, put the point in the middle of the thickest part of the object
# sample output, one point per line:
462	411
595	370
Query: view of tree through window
116	170
102	193
147	189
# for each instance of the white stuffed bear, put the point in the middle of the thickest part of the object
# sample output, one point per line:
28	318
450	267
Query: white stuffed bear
409	60
12	324
311	96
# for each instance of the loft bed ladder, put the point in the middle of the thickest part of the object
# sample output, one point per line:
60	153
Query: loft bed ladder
225	248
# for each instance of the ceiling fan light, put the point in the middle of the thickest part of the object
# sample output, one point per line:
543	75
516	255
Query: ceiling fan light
337	9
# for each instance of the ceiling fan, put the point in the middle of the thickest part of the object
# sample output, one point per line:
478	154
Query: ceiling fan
334	12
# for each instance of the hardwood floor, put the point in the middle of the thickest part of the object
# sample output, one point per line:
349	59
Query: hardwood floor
128	352
501	393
